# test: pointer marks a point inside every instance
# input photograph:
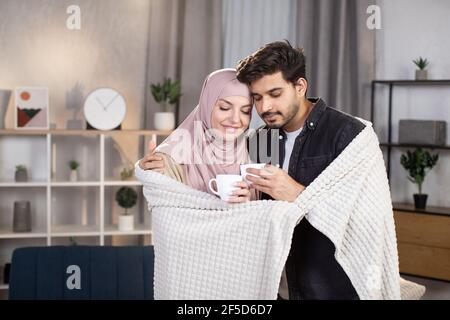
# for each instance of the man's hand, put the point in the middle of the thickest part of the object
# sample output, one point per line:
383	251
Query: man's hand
152	161
275	182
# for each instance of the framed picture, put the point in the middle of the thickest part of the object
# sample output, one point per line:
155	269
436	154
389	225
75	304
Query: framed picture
31	108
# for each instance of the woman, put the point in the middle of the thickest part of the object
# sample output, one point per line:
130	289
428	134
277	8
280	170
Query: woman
211	140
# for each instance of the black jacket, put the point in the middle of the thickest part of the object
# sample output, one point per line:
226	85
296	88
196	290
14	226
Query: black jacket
312	271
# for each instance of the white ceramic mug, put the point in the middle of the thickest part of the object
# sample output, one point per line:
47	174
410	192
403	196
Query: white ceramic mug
244	167
225	185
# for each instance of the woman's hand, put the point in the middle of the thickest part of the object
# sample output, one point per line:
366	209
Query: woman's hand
151	161
241	194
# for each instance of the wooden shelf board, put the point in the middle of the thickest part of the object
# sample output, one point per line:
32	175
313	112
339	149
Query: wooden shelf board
74	230
428	210
23	184
75	184
9	234
423	146
111	230
414	82
64	132
122	183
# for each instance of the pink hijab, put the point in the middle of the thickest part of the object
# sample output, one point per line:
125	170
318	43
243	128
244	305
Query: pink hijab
200	149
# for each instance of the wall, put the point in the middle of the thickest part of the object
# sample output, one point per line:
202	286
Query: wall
413	28
110	50
37	49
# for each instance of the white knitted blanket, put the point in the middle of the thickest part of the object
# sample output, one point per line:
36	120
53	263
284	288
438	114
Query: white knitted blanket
206	248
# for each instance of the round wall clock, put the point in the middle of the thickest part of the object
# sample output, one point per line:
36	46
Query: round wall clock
104	109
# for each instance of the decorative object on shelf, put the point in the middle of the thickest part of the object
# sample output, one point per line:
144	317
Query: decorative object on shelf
390	85
74	124
421	73
67	220
22	216
126	197
425	132
21	174
166	94
127	173
417	163
104	109
31	108
5	95
73	170
73	241
53	161
6	273
74	102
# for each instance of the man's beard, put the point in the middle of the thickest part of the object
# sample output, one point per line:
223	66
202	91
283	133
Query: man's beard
285	119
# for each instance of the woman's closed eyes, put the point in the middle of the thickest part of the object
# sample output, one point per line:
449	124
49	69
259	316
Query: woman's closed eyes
245	110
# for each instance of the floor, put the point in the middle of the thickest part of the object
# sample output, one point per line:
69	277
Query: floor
435	290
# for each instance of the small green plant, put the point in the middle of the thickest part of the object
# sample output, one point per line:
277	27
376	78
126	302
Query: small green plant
73	241
126	197
21	167
421	63
128	170
126	173
166	93
417	163
73	165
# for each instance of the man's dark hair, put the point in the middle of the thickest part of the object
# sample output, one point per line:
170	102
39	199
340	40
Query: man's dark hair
273	57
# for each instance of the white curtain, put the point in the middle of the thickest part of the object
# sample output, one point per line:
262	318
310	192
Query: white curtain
339	47
340	52
249	24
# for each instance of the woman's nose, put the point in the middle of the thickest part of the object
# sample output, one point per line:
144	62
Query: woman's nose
235	117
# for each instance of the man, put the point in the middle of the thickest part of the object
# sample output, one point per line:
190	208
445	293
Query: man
311	136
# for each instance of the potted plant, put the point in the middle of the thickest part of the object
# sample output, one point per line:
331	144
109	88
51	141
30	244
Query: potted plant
73	170
73	241
166	94
126	197
417	163
127	173
21	174
421	73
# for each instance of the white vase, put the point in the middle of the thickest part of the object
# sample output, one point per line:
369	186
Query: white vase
421	75
164	121
73	175
126	222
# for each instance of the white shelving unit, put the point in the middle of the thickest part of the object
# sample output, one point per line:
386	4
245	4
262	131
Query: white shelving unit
97	227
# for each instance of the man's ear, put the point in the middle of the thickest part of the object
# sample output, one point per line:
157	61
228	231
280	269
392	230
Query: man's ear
301	86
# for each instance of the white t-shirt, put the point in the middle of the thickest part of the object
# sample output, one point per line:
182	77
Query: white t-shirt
289	145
